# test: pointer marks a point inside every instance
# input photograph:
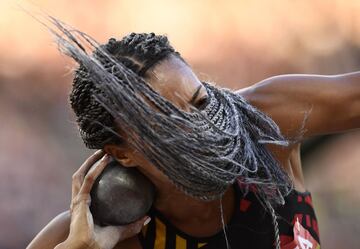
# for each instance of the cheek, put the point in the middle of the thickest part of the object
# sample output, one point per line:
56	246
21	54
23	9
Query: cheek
150	170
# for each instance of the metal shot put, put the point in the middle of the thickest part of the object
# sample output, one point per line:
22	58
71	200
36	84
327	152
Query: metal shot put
120	195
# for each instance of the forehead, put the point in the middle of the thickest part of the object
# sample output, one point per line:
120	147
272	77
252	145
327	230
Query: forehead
175	80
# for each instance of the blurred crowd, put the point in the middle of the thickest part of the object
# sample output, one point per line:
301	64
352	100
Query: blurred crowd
233	43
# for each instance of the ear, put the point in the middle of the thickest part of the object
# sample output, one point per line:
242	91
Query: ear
119	155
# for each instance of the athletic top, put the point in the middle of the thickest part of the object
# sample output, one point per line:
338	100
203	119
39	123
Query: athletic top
250	226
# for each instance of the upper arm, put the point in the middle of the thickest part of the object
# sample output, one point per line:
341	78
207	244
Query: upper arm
55	232
307	105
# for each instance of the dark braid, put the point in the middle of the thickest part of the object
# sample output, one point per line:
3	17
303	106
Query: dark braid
138	52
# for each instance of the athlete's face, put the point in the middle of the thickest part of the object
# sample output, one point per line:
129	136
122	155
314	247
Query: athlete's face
175	81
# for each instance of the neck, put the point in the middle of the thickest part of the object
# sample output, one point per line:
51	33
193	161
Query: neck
180	208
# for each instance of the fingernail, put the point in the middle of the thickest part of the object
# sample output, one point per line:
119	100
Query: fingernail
105	157
147	221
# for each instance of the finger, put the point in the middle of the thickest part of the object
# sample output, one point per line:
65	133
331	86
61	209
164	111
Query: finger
84	168
93	173
78	176
133	228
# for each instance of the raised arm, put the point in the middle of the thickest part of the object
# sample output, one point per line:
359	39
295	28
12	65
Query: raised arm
315	104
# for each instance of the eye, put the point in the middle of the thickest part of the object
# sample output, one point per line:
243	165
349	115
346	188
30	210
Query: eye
201	103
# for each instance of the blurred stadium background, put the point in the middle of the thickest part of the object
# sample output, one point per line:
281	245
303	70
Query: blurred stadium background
235	43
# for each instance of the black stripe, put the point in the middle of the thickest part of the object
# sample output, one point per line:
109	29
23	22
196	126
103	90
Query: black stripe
150	235
170	242
191	244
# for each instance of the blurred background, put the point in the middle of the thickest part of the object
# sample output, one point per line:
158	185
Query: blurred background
234	43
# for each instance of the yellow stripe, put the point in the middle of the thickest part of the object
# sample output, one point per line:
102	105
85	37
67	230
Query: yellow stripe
180	243
160	235
201	244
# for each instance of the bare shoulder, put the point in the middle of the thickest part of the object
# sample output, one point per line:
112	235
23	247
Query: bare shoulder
267	100
272	100
55	232
282	102
131	243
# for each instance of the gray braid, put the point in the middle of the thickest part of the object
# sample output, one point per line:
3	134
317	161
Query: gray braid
201	152
276	225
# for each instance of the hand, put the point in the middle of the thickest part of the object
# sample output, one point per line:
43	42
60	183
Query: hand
83	233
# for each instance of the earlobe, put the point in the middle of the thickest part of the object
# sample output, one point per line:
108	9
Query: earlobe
111	150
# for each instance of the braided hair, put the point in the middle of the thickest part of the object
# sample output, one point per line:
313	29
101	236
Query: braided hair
136	51
202	152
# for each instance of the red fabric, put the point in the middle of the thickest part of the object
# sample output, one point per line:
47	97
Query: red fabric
308	200
244	205
315	226
308	220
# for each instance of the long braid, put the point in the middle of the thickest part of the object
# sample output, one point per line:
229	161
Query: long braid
276	225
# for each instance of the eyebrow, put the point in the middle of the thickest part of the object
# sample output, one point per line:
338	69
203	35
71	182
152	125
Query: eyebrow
193	98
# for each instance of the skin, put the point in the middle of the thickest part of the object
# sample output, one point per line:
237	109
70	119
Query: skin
332	104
